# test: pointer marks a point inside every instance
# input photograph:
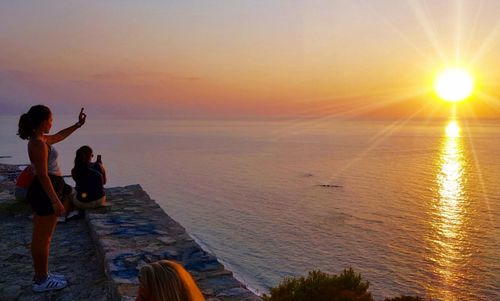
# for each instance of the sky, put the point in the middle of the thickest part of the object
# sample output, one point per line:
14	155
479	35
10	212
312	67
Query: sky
247	59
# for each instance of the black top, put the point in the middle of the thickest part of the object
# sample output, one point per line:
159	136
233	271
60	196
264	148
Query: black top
89	184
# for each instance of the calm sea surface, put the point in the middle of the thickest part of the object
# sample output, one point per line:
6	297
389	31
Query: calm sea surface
411	206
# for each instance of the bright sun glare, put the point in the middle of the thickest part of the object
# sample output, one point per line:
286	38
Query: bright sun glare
454	84
452	130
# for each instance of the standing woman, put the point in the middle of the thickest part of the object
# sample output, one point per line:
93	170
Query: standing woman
46	192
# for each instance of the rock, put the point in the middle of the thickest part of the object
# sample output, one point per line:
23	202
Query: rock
329	186
72	254
232	292
167	240
11	292
135	231
130	232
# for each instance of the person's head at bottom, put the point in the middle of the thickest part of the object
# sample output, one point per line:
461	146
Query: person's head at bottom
166	280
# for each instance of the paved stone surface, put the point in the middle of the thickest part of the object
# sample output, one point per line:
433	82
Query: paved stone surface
73	253
129	233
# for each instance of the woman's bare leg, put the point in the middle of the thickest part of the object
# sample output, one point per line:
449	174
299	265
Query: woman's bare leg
43	228
68	202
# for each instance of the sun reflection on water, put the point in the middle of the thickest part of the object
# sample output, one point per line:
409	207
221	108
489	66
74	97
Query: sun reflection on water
448	240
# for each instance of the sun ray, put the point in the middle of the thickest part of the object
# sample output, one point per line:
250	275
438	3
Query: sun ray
329	104
421	15
395	125
478	167
384	134
458	31
298	128
377	94
402	36
492	101
431	114
473	31
378	138
309	116
486	46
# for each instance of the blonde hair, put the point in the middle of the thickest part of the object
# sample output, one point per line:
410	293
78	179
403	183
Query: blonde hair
166	280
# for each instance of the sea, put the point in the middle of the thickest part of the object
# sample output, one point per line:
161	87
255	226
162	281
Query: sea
413	206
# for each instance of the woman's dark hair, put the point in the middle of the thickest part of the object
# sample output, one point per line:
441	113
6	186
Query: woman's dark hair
81	161
31	120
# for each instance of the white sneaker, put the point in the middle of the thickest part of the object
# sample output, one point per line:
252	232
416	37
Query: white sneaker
55	275
72	214
58	276
50	284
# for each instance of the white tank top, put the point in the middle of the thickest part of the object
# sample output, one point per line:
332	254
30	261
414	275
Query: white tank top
52	164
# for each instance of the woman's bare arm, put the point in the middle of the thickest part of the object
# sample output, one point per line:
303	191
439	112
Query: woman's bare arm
102	171
61	135
103	175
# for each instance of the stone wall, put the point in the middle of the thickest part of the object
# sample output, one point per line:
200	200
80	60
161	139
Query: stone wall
130	231
134	230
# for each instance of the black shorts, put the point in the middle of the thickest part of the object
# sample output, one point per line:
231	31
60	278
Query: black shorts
40	201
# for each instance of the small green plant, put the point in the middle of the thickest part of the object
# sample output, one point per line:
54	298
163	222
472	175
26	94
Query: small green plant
319	286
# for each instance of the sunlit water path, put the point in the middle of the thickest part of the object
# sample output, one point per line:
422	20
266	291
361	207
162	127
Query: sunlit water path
415	210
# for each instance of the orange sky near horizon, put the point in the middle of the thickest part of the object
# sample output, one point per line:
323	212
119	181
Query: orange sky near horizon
247	58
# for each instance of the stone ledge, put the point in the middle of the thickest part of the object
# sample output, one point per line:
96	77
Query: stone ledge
134	230
130	232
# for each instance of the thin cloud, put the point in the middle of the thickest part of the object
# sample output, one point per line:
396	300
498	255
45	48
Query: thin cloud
142	76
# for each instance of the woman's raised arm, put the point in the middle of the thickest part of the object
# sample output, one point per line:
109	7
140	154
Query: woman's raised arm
62	134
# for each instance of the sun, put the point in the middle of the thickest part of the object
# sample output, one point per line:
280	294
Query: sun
454	84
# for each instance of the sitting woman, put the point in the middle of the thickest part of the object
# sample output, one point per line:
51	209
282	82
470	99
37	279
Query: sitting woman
89	179
166	280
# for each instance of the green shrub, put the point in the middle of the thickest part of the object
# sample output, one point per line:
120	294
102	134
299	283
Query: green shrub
319	286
